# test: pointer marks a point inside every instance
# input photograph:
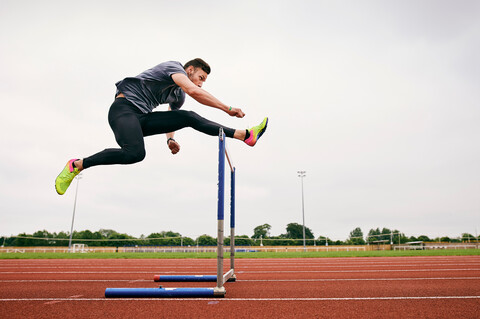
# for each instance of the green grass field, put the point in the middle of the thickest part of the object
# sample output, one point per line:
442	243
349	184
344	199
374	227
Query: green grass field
386	253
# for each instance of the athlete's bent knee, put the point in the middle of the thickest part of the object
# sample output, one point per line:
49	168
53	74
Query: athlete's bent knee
134	157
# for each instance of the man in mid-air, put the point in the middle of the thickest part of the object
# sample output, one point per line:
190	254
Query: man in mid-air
131	115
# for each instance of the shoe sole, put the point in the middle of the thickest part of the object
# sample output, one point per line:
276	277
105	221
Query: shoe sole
56	185
263	130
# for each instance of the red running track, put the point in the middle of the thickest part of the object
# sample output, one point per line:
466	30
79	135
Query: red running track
397	287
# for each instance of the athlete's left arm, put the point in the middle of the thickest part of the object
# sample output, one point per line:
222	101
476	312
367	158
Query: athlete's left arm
202	96
172	144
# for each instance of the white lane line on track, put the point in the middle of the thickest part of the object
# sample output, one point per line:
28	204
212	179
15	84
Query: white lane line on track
245	280
300	260
88	272
194	264
240	266
241	271
162	262
355	279
245	299
79	280
358	271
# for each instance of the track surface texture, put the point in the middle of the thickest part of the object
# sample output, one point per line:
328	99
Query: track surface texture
395	287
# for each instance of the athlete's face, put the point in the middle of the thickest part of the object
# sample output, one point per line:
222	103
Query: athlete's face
196	75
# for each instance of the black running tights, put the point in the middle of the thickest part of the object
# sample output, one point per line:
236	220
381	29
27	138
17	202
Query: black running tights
130	126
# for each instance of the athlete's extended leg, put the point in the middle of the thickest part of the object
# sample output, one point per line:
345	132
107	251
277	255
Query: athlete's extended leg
171	121
164	122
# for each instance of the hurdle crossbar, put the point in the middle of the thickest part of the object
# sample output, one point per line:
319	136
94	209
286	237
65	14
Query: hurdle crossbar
220	278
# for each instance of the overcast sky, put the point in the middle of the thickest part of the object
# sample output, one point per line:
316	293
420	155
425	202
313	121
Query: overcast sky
378	101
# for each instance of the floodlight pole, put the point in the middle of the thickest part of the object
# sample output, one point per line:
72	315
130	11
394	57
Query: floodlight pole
302	174
73	217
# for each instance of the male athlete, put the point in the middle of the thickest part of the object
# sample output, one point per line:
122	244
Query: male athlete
131	115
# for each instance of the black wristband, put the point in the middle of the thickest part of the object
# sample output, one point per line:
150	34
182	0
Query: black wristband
170	139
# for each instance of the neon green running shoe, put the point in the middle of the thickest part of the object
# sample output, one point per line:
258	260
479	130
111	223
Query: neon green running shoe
66	177
256	132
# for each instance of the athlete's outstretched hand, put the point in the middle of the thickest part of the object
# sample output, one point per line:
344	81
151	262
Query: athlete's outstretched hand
236	112
174	146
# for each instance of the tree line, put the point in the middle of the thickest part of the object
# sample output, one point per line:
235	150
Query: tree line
261	236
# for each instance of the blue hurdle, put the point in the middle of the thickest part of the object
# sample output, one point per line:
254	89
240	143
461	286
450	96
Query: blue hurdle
188	278
162	293
220	278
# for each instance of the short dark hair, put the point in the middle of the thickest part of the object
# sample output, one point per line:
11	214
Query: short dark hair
198	63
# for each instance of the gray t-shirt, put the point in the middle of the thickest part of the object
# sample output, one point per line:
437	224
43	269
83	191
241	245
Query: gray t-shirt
153	87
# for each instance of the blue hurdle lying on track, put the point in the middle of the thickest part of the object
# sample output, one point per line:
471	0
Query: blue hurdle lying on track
162	292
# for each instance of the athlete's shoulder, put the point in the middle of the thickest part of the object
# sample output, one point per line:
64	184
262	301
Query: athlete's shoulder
173	63
169	65
168	68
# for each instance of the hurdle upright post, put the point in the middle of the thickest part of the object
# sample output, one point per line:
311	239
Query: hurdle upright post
220	210
232	220
230	275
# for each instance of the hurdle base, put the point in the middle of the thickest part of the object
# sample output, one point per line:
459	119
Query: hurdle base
233	278
219	292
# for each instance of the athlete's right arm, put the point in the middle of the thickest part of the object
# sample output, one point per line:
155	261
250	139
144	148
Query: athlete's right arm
202	96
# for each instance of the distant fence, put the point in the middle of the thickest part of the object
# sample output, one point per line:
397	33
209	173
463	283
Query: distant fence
56	250
277	249
240	249
171	249
186	249
431	246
